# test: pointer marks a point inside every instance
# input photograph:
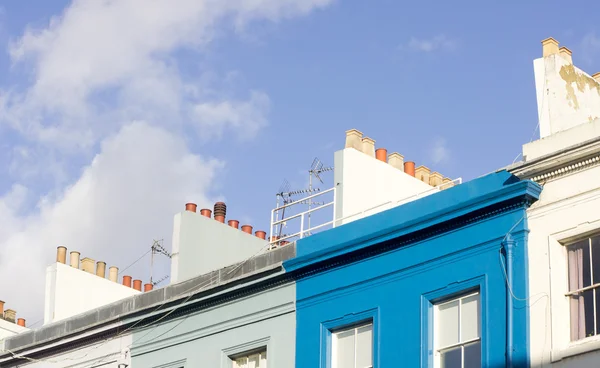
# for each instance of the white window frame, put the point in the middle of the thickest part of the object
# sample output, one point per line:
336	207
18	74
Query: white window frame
354	327
439	349
261	354
592	286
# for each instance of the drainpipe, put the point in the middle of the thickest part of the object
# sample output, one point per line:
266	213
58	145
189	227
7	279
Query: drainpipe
509	245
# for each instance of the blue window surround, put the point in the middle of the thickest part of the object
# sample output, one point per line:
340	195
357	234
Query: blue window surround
428	301
344	322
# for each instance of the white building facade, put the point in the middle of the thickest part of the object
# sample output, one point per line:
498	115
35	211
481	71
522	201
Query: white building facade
564	242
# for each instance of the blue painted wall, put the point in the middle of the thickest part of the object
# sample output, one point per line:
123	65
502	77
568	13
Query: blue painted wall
391	266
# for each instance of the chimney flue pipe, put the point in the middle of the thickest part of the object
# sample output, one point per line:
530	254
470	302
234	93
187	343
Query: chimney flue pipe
381	154
234	223
409	168
191	207
220	211
74	259
101	269
61	254
205	212
137	285
113	273
247	229
21	322
127	281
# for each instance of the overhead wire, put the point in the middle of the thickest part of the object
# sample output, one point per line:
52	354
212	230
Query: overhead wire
201	287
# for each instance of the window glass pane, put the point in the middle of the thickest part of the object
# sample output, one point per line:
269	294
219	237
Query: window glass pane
596	259
364	346
585	269
588	305
447	324
451	358
473	355
469	318
344	349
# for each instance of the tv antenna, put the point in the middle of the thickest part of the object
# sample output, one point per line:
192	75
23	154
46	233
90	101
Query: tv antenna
285	195
157	248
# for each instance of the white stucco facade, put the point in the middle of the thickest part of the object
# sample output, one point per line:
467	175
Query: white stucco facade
71	291
566	162
365	185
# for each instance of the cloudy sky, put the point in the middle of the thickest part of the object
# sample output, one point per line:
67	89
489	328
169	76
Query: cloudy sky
115	113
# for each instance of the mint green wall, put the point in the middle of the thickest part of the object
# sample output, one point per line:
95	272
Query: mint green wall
206	338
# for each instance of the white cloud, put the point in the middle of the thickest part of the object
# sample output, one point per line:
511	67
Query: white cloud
439	42
120	52
123	200
439	151
245	118
90	74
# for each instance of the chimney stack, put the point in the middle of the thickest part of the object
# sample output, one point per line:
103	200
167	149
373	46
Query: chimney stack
21	322
247	229
101	269
549	47
396	160
74	261
10	315
87	265
220	212
381	154
261	234
127	281
148	287
191	207
113	274
596	77
435	179
61	254
422	173
354	139
137	285
409	168
234	223
205	212
368	146
566	54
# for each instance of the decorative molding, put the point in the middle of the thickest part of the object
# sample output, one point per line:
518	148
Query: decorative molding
416	236
567	169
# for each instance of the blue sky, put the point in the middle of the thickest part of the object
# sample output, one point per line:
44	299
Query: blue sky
115	115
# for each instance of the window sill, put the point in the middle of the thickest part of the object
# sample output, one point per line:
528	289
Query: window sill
583	346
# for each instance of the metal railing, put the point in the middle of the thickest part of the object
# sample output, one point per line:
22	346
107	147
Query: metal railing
276	237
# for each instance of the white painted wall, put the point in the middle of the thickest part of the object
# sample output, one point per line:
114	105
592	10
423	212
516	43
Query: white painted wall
569	206
9	329
71	291
363	182
202	244
566	95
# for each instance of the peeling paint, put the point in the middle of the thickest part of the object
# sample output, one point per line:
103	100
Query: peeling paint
570	75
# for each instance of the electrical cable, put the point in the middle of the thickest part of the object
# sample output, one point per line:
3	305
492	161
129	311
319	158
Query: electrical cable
194	292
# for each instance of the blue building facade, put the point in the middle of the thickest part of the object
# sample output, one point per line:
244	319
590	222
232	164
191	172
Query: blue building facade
425	284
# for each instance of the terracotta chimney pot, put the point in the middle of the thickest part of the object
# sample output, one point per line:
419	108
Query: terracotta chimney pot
247	229
381	154
191	207
21	322
148	287
234	223
127	281
261	234
137	285
205	212
409	168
